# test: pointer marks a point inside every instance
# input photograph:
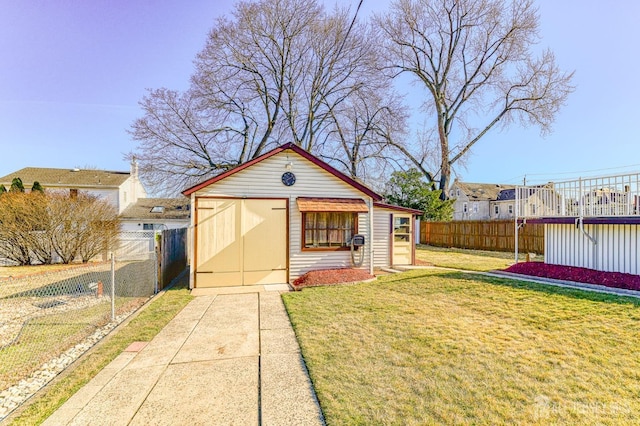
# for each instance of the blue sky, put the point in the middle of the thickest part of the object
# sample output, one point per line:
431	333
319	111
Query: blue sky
72	73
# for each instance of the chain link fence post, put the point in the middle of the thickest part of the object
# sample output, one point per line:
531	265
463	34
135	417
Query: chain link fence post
113	287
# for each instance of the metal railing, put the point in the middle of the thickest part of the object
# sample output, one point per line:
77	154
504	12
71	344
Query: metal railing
605	196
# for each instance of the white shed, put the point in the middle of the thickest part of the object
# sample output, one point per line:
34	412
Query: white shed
285	213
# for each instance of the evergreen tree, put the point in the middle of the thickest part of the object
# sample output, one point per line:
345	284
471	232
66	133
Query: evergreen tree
37	187
16	185
2	189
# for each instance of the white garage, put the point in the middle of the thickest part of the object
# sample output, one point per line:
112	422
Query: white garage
286	212
241	241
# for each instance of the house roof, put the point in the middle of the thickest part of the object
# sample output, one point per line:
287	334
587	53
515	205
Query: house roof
173	208
278	150
507	195
482	191
66	177
351	205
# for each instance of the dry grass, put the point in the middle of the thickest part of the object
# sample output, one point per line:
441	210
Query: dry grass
472	260
14	271
44	338
142	328
429	347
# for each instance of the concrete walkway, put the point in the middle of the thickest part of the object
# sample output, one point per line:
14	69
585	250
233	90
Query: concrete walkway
228	358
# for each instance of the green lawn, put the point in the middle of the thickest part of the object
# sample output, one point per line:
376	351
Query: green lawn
441	347
472	260
142	328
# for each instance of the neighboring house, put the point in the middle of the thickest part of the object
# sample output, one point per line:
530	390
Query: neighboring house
482	201
285	213
119	188
156	214
503	207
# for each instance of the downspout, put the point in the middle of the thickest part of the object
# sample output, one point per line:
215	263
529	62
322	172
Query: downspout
580	225
370	202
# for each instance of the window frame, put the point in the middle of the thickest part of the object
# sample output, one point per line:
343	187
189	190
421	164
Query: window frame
496	210
303	238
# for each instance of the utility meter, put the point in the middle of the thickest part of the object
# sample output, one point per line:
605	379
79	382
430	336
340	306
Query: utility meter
357	241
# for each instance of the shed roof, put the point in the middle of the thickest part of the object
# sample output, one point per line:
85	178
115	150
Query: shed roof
297	150
173	208
66	177
398	208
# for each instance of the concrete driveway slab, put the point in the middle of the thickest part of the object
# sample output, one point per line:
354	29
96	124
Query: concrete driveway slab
221	392
224	359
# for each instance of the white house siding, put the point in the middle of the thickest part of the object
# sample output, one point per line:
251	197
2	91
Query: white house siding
617	248
458	205
110	195
381	231
263	179
129	192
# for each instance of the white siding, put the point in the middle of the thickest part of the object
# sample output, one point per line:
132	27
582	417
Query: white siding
381	232
617	248
129	192
110	195
263	179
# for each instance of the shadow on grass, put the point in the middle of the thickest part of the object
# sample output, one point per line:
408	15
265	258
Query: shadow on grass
524	285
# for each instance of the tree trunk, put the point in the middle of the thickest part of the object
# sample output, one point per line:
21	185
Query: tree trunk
445	166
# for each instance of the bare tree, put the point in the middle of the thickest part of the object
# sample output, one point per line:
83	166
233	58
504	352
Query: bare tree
99	228
276	71
17	221
476	61
179	143
82	226
363	128
35	225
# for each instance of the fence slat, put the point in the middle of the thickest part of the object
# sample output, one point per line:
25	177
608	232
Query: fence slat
494	235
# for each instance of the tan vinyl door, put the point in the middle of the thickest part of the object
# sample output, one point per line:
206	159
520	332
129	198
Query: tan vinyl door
265	242
240	242
401	239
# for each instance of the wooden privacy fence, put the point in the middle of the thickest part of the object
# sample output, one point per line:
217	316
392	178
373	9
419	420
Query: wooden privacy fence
496	235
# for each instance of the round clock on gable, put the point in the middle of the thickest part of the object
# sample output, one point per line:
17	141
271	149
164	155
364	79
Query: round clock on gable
288	178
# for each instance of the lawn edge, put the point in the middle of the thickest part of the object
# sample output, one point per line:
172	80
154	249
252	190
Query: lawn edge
564	283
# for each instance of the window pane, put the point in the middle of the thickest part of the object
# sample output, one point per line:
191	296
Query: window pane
328	229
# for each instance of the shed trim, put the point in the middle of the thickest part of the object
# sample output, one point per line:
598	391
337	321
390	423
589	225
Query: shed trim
415	212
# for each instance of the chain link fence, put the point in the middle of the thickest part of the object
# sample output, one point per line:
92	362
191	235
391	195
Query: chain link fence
47	320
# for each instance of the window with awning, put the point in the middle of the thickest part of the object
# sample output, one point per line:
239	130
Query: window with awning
329	223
